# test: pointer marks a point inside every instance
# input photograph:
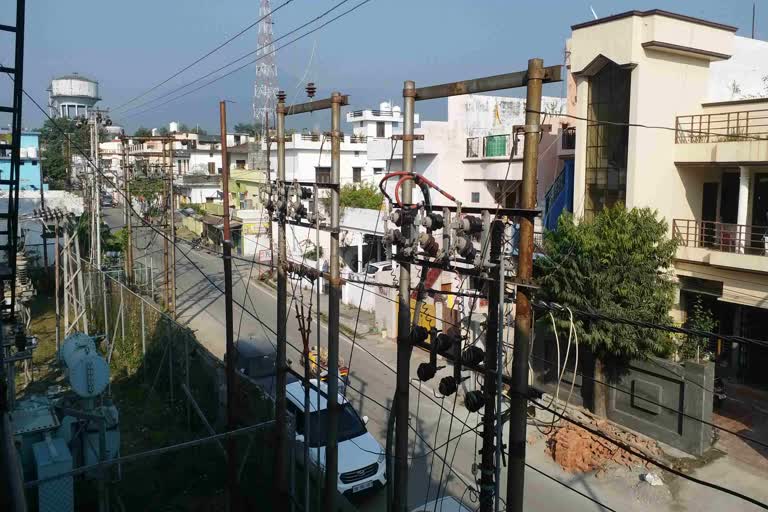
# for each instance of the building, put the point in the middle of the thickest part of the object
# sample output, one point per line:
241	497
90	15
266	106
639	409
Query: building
72	96
662	123
30	174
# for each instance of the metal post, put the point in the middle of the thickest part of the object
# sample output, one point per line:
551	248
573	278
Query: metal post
97	178
268	142
65	253
334	302
400	495
230	366
56	279
520	353
500	372
81	290
488	463
169	341
122	313
127	218
280	401
172	224
166	257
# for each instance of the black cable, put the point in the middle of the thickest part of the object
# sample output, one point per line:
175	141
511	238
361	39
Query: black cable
211	52
238	59
637	453
252	61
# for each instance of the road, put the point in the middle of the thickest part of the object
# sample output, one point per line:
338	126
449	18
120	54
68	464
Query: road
372	385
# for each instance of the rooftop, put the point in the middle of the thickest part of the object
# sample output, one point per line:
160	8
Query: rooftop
654	12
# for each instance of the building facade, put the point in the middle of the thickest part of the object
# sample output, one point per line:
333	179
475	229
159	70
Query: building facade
30	173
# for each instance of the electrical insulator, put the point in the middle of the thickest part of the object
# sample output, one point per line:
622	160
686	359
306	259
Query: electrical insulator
472	356
428	244
448	386
471	224
465	247
306	193
396	217
426	371
433	221
474	401
20	340
419	335
394	237
311	90
445	341
299	212
281	96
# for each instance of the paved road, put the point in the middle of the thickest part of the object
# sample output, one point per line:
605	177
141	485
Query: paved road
372	384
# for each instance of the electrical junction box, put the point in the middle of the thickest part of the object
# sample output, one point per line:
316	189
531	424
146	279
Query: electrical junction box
52	457
31	419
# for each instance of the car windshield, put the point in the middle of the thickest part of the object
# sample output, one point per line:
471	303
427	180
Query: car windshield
372	269
350	426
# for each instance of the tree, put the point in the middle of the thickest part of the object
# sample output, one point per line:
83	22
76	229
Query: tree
164	131
700	318
361	195
198	130
619	264
142	132
252	129
56	149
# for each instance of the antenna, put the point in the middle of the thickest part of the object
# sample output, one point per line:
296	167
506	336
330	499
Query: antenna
593	12
265	86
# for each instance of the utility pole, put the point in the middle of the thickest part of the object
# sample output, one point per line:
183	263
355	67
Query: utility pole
166	252
57	284
268	142
523	317
400	497
334	301
232	487
127	217
172	220
280	400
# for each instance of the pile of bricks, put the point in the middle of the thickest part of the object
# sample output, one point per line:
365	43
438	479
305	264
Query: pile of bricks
578	451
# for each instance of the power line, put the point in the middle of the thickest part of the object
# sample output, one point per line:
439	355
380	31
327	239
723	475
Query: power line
637	453
252	61
208	54
184	86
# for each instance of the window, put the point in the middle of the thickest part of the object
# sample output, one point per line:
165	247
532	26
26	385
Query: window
606	166
178	166
350	425
361	124
378	170
323	174
357	174
475	197
357	153
239	164
219	170
211	167
380	129
396	125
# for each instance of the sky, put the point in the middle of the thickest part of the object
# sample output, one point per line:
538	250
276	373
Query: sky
131	46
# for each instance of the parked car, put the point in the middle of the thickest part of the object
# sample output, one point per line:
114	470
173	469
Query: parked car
257	361
107	202
362	462
374	268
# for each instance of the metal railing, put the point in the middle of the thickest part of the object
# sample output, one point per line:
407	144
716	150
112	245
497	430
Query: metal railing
358	139
722	127
379	113
492	146
315	137
723	237
569	138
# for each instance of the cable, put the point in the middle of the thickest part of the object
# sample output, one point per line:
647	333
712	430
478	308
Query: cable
637	453
211	52
252	61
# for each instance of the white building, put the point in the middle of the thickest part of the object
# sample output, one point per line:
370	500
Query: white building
72	96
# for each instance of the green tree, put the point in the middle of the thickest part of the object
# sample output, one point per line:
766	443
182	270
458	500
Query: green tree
142	132
361	195
60	138
619	264
163	130
700	318
249	128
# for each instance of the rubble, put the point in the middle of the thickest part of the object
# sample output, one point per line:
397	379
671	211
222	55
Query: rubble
652	479
578	451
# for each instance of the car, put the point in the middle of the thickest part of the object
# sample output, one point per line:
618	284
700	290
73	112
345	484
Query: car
257	361
362	461
107	202
374	268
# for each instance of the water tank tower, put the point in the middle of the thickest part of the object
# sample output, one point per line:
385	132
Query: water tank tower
72	96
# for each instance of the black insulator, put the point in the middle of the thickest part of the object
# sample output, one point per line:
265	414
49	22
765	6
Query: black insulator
419	334
428	244
473	356
448	386
472	224
300	212
474	401
395	237
445	341
306	193
311	90
426	371
20	340
270	206
465	247
397	218
281	96
433	221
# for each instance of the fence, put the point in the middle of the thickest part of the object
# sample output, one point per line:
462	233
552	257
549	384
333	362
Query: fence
723	237
722	127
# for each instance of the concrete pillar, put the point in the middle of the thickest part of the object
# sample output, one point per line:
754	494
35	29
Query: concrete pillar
741	217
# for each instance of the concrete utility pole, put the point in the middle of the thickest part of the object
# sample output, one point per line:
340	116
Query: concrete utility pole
282	368
166	249
127	216
400	497
172	221
233	497
334	302
268	142
57	283
523	317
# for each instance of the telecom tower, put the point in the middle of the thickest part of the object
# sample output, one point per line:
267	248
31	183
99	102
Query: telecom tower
265	86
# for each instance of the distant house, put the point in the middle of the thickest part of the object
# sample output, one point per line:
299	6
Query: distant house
30	173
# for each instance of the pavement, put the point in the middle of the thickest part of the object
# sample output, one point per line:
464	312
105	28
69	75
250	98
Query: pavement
372	360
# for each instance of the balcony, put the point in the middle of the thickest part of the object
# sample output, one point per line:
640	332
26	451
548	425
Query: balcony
738	246
730	137
568	142
493	147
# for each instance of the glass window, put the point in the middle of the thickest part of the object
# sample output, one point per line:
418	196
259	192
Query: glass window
350	425
606	150
380	129
357	174
475	197
378	170
322	174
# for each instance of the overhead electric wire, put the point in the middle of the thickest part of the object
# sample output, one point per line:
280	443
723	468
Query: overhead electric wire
205	56
251	62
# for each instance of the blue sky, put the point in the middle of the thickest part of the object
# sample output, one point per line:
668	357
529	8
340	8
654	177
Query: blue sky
130	46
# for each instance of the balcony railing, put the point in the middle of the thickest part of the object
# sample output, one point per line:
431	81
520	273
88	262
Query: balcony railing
569	138
358	139
379	113
719	236
491	146
722	127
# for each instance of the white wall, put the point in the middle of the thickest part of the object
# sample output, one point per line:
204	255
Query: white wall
748	68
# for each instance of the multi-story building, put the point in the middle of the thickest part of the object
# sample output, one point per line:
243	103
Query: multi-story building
661	122
30	174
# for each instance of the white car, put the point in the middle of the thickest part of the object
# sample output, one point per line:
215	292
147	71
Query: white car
362	461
